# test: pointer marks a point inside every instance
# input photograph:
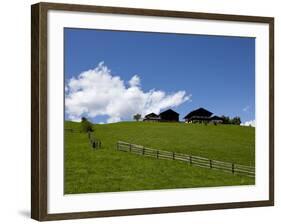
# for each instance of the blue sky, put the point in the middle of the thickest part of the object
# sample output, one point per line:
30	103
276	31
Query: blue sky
216	72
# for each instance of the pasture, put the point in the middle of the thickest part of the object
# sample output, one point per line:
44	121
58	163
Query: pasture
109	170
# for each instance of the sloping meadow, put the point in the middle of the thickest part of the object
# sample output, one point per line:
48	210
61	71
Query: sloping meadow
108	170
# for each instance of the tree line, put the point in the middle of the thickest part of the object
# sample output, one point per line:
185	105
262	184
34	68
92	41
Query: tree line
228	120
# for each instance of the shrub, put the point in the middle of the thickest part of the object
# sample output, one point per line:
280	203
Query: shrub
236	121
86	125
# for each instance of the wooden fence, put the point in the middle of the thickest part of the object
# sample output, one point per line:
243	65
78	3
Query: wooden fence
94	142
192	160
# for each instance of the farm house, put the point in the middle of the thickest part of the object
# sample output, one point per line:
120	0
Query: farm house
151	117
166	116
169	115
216	119
200	115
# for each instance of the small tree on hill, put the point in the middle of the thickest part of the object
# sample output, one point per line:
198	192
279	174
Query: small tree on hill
86	125
137	117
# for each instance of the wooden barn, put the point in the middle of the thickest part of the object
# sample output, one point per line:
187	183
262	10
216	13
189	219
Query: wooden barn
151	117
169	116
200	115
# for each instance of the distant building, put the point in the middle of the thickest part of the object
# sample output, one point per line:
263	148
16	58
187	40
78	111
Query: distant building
169	115
216	120
200	115
166	116
151	117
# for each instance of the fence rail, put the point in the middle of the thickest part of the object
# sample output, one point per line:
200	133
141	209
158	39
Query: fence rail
192	160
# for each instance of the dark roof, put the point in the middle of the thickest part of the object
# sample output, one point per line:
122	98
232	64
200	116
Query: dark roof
169	111
199	112
151	115
216	118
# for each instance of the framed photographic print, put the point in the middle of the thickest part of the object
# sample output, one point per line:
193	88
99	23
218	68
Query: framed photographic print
139	111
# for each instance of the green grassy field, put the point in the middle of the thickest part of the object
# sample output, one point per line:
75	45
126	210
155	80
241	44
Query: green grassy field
109	170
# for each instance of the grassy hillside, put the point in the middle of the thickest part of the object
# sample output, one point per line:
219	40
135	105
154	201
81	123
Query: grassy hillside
105	170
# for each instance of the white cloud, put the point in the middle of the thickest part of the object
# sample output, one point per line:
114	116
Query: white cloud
251	123
97	92
134	81
246	109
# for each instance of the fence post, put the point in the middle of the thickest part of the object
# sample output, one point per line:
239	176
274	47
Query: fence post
232	167
173	155
143	150
190	160
130	148
94	144
211	165
157	154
